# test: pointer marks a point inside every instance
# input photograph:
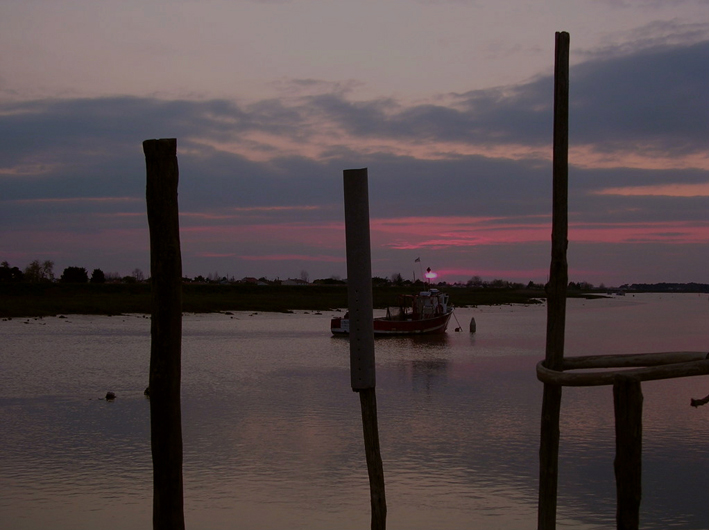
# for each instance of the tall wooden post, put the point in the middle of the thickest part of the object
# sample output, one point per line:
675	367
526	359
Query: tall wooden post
166	333
628	405
556	291
360	306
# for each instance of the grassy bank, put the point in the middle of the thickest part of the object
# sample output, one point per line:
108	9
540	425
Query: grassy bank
31	300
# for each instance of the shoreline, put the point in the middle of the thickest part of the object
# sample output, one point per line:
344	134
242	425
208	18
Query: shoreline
51	299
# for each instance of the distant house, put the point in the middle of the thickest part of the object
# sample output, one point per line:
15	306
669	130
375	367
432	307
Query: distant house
292	281
329	281
248	280
252	281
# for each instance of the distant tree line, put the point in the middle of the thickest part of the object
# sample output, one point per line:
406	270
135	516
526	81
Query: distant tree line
667	287
43	272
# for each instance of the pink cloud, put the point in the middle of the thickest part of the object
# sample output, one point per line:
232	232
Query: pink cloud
437	233
507	274
446	232
237	213
660	232
214	255
294	257
322	235
663	190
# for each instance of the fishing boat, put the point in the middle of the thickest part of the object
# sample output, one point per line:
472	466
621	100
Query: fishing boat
420	314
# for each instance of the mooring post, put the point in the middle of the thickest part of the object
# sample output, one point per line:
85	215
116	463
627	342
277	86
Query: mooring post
628	405
165	332
361	335
556	291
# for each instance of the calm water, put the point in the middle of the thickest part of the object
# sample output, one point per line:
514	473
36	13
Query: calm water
272	431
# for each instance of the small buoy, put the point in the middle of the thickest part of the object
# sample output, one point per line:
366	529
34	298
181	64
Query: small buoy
473	326
110	396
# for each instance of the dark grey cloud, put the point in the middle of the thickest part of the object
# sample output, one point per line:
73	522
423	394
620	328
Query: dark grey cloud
654	99
95	148
654	35
655	95
587	204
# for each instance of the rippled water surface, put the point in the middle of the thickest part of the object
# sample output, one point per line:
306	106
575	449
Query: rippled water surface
272	431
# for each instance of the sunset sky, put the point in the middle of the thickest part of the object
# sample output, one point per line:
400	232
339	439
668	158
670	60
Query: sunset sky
448	103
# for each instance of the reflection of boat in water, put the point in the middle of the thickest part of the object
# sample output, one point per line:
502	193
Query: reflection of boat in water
420	314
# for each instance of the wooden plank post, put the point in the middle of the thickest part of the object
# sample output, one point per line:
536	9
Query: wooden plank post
556	292
360	307
628	405
165	332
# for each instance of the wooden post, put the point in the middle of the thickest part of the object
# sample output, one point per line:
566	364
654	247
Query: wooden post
375	468
359	279
360	307
556	292
166	333
628	404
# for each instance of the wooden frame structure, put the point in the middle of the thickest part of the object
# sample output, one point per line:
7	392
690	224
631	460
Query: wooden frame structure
628	371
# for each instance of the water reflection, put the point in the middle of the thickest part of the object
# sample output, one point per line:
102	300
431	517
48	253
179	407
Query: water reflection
273	434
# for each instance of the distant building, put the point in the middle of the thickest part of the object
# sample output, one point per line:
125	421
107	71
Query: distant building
292	281
253	281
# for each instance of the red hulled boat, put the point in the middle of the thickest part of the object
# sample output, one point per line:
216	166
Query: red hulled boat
425	313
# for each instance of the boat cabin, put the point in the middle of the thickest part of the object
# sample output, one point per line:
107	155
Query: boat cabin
426	304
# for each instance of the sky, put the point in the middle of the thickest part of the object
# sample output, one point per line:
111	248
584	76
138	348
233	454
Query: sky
447	103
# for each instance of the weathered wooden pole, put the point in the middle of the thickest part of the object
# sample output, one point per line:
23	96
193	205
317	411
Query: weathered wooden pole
360	306
628	405
165	332
556	291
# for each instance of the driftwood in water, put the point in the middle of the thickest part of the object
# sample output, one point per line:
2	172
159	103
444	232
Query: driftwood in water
166	333
360	306
699	402
556	291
